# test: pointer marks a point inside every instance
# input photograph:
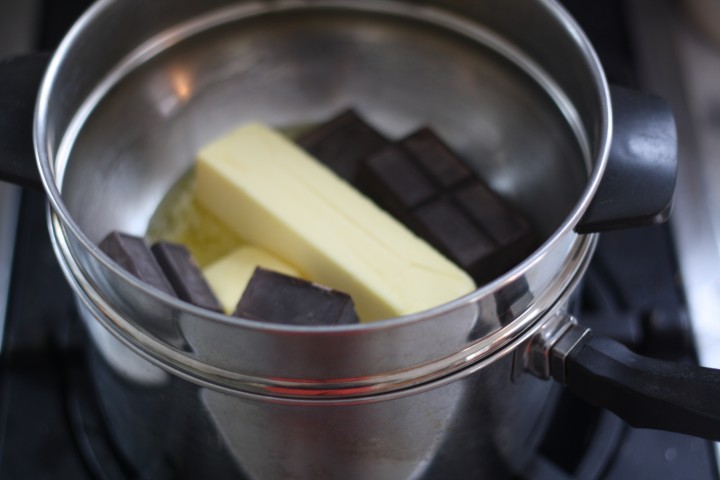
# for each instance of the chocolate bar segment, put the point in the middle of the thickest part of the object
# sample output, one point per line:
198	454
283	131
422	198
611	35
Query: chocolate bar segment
497	219
277	298
342	143
514	238
393	180
185	276
133	254
448	229
435	157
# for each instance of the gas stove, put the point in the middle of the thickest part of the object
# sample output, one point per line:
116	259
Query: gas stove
642	289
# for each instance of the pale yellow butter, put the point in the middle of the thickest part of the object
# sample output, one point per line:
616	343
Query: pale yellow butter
229	275
275	195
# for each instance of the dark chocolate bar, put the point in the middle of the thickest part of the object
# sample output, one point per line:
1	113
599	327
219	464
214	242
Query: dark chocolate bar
343	143
185	276
133	254
425	185
277	298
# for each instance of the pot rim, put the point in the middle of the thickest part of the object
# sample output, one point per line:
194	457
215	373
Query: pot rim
43	157
369	389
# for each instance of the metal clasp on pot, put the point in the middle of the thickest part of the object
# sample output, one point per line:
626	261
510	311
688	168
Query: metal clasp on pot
544	355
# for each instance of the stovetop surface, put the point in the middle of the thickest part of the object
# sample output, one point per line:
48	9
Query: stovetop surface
51	427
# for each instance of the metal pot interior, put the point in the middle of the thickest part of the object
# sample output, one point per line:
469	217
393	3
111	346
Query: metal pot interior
399	67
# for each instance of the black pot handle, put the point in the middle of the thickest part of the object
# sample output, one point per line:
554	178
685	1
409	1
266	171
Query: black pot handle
645	392
639	181
20	79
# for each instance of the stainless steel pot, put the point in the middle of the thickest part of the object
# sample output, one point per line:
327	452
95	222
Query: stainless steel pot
513	85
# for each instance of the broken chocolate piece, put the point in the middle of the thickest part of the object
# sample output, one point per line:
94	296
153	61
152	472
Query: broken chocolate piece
342	143
277	298
132	254
185	276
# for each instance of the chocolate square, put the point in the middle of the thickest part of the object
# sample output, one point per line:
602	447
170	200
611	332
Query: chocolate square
185	276
342	143
394	181
133	254
492	214
435	157
444	225
277	298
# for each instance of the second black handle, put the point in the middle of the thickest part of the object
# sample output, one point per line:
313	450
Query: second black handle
639	180
645	392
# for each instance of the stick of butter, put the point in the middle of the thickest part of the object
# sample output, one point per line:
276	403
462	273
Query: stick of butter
275	195
229	275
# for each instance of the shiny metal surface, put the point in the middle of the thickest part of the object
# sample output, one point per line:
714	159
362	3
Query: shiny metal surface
457	430
129	130
572	338
536	357
545	353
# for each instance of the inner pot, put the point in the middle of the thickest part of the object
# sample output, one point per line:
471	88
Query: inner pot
513	86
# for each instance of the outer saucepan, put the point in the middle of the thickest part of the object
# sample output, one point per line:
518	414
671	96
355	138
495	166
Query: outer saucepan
136	88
